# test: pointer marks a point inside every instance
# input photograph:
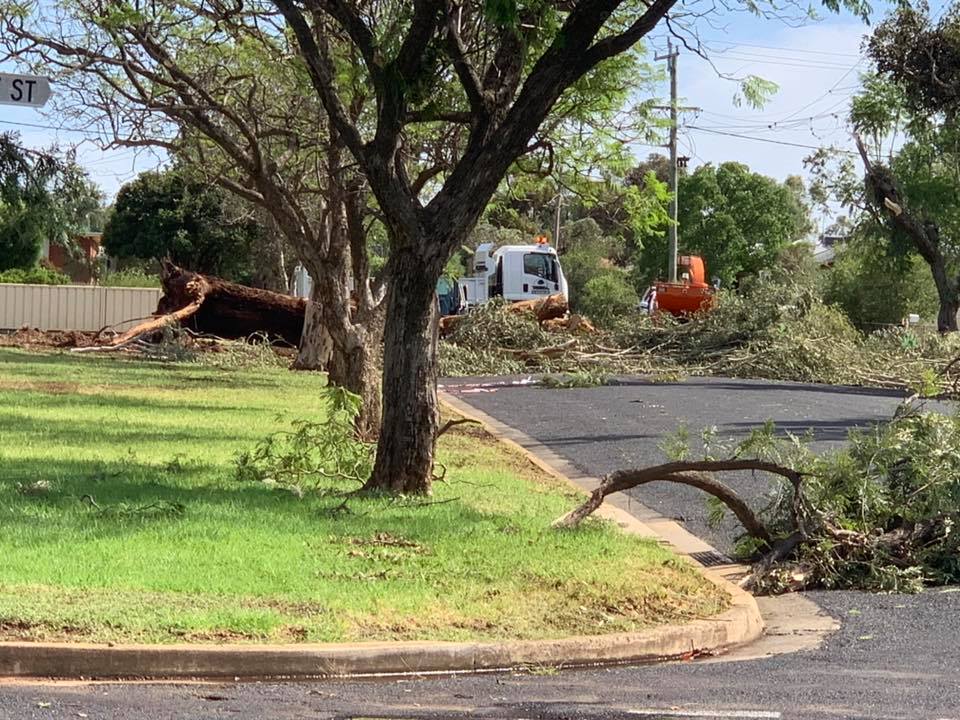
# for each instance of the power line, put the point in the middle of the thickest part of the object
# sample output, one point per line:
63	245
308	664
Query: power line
804	51
828	92
772	126
779	60
52	127
765	140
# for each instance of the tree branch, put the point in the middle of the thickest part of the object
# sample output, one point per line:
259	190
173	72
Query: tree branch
466	73
616	44
320	68
693	473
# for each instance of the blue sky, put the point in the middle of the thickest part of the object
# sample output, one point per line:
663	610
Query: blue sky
816	67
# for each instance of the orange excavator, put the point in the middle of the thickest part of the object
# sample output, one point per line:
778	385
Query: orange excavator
690	294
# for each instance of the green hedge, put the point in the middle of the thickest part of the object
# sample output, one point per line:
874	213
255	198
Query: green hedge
34	276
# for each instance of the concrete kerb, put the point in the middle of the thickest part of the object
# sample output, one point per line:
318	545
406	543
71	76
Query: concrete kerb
737	626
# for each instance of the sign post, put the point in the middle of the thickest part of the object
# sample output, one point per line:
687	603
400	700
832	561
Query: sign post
24	90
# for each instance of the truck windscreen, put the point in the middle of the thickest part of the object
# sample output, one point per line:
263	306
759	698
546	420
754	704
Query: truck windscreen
540	264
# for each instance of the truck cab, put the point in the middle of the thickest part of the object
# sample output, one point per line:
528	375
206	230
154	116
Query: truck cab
514	272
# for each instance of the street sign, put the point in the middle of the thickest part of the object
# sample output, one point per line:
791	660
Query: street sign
24	90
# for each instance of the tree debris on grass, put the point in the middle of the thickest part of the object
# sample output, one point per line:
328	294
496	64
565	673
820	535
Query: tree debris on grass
882	514
313	456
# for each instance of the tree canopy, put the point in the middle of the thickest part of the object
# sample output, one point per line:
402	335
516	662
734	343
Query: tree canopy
42	198
736	219
168	215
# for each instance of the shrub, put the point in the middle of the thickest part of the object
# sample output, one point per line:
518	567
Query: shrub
34	276
608	296
132	278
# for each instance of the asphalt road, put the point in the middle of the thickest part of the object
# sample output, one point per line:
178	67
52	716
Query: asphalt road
622	426
895	656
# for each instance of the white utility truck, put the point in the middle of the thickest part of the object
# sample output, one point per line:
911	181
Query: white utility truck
513	272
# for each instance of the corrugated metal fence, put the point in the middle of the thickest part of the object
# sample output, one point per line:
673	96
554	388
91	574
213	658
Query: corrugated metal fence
74	307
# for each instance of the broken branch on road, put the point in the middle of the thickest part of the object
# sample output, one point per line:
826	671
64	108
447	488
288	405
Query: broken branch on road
881	514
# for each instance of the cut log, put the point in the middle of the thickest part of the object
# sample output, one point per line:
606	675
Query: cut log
448	323
209	305
552	306
545	310
572	324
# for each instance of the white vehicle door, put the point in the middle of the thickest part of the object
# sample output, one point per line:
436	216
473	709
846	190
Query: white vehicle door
541	274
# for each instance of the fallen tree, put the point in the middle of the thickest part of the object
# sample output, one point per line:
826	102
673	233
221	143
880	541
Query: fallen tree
882	514
213	306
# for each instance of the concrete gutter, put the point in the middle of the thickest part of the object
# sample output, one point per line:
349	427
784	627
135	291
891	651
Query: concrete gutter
737	626
741	623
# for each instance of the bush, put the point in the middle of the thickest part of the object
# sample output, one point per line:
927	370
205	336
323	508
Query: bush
875	290
34	276
131	278
608	296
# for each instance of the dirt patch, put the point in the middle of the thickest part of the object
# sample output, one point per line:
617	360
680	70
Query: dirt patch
216	636
52	388
295	609
295	633
31	338
18	629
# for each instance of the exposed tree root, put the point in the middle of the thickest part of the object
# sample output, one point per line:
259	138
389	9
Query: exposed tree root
209	305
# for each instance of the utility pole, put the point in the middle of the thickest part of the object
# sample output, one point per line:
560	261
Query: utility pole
671	58
556	221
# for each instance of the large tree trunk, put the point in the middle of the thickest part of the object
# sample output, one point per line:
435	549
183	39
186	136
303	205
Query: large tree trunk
404	463
948	294
356	367
316	345
947	317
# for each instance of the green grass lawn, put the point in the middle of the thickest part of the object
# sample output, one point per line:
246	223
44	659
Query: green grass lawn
92	450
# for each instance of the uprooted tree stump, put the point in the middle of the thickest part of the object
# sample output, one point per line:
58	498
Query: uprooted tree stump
213	306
